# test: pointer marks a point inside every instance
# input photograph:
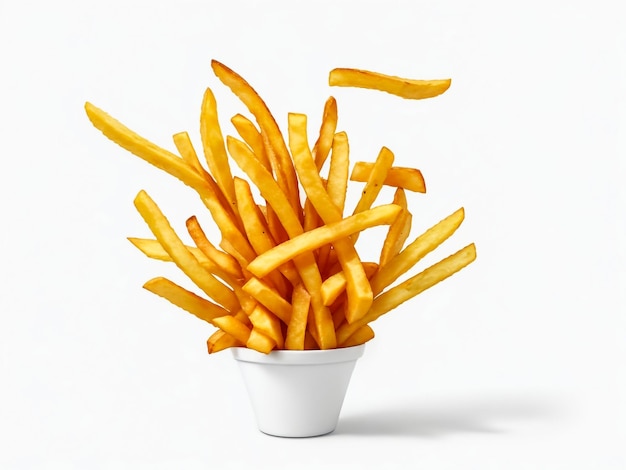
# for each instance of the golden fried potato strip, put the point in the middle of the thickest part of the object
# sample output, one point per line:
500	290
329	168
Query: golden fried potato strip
398	230
260	342
410	179
327	130
267	124
267	323
308	241
420	247
335	284
256	228
153	249
167	237
269	297
146	150
375	181
361	336
224	261
251	136
337	184
221	340
214	149
359	294
296	327
403	87
181	297
305	263
234	327
185	148
410	288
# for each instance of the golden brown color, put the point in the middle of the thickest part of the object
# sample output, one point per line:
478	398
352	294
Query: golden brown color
286	272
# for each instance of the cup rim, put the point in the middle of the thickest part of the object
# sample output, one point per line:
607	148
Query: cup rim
295	357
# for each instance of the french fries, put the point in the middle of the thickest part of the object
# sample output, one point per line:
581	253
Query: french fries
402	87
286	273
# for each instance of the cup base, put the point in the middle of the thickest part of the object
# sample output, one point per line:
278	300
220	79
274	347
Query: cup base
297	393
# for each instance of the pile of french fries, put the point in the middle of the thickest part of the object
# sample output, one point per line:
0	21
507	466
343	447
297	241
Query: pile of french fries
286	273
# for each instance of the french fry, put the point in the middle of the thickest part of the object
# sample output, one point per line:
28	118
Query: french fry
334	285
337	183
251	136
414	252
410	179
146	150
269	297
234	327
359	294
375	181
403	87
267	323
214	150
338	173
327	130
221	340
225	261
181	297
305	263
287	273
308	241
187	152
409	289
266	122
398	230
153	249
260	342
361	336
187	263
296	327
256	228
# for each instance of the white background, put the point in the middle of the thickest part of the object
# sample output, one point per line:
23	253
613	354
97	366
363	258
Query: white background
517	362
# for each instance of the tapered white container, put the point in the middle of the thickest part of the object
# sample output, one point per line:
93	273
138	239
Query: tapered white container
297	393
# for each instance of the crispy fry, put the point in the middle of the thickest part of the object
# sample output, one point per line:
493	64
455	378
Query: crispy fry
359	294
267	323
234	327
214	150
251	136
266	122
181	297
287	273
168	239
410	288
256	228
403	87
225	261
335	284
296	329
221	340
260	342
153	249
327	130
410	179
269	297
398	230
338	173
187	152
146	150
375	180
419	248
308	241
362	335
305	263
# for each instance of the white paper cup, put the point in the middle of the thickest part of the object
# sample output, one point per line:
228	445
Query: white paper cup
297	393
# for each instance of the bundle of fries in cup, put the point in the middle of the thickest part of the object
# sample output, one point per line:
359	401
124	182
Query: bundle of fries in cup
286	273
